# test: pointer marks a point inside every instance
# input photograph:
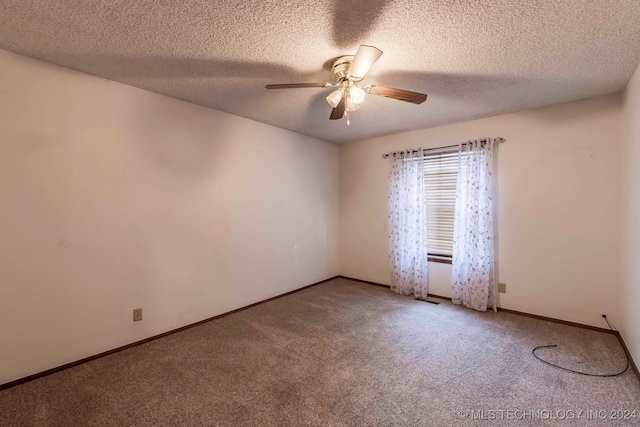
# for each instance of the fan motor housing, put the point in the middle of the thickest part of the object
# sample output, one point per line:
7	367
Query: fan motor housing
340	67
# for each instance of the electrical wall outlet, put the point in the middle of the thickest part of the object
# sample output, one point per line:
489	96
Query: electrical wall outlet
137	314
502	288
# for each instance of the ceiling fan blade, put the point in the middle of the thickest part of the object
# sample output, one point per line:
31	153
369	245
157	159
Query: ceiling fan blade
338	112
365	57
399	94
296	85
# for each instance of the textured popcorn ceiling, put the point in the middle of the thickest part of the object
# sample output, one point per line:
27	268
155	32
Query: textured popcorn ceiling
474	58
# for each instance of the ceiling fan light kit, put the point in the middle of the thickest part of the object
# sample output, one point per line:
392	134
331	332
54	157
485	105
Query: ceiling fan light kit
348	71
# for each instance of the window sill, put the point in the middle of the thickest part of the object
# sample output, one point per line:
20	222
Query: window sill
442	260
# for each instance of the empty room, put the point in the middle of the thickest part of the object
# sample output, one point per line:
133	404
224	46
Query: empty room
320	213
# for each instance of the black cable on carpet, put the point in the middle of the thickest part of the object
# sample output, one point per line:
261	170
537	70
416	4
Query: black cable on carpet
578	372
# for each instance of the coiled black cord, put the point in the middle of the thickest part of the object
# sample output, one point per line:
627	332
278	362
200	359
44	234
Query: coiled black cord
579	372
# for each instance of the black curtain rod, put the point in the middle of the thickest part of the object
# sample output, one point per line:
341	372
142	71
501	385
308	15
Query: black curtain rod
482	141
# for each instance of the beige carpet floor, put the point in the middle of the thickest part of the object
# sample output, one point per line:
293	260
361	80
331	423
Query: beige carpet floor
341	354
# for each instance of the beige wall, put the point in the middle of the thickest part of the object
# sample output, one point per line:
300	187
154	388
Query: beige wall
559	201
630	288
115	198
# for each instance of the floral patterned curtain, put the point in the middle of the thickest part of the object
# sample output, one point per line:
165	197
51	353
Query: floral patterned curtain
474	278
408	224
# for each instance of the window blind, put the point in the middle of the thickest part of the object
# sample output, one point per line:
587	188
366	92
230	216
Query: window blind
441	173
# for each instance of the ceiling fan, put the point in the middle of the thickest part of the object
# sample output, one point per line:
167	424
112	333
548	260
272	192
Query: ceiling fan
348	71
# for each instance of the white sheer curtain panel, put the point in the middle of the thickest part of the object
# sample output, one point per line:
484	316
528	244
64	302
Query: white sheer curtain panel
408	224
475	272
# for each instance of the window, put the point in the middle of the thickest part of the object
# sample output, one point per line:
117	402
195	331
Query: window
441	172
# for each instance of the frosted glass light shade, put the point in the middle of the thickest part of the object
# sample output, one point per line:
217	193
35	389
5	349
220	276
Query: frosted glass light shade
351	106
356	95
334	98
